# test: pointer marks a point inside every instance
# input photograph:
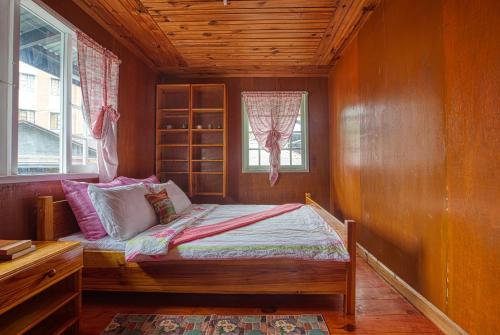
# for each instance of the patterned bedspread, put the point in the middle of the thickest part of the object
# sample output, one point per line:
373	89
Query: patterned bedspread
300	234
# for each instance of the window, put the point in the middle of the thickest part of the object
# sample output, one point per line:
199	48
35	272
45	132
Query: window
27	115
54	86
27	82
293	156
56	140
55	121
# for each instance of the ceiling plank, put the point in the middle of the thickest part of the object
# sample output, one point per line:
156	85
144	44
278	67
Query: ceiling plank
343	25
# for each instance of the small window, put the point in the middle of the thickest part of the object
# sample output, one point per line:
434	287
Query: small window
27	82
55	121
54	86
294	156
27	115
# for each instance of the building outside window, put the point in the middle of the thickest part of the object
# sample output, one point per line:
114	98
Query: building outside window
54	86
46	89
27	82
27	115
55	121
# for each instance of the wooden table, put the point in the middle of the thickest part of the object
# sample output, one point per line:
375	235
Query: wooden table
40	293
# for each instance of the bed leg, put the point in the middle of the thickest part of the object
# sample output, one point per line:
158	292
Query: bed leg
350	307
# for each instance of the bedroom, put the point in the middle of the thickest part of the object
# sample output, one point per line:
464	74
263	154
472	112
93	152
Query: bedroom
398	130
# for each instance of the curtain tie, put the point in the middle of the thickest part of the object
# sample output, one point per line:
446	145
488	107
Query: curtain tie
98	126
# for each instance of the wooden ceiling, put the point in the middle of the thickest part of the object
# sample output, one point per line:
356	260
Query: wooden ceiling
246	37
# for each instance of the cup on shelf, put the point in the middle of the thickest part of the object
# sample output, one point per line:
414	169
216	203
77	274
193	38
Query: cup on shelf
169	126
209	126
219	126
199	126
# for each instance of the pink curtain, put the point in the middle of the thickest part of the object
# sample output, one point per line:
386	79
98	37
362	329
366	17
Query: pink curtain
99	69
272	116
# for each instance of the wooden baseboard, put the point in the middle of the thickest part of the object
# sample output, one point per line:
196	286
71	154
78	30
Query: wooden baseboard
440	319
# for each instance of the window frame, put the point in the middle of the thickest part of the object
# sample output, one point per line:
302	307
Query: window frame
303	168
9	88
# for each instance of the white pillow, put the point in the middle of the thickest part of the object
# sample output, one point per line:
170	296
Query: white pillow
178	197
123	210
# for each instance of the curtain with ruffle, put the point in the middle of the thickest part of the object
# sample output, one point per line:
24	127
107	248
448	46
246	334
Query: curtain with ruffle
272	116
99	72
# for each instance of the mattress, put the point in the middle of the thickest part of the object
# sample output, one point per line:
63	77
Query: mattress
299	234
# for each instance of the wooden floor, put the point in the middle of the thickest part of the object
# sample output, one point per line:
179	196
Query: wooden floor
380	309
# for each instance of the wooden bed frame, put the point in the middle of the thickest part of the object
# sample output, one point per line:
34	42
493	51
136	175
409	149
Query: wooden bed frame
108	270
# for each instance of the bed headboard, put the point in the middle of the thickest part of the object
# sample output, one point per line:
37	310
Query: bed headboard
55	219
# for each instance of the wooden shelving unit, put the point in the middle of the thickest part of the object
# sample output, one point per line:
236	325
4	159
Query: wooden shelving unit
194	158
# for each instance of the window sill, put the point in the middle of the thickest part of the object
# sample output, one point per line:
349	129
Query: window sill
280	171
45	177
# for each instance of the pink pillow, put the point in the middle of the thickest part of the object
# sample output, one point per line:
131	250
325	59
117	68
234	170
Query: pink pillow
129	181
85	214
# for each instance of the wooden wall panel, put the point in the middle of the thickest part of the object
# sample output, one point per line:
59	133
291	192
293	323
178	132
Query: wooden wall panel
472	53
254	187
345	150
426	88
135	133
403	173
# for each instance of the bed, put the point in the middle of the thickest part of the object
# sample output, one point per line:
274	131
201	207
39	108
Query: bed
220	264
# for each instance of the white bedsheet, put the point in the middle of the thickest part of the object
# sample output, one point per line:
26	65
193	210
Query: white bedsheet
301	234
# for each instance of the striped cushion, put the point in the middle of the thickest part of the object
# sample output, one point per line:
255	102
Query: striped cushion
162	205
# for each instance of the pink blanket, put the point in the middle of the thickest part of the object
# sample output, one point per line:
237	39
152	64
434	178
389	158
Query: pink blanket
195	233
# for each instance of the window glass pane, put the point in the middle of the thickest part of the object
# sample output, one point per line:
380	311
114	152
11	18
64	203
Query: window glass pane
297	126
253	157
296	157
83	145
264	158
296	140
252	142
40	60
285	157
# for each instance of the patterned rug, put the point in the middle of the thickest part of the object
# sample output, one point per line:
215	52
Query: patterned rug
155	324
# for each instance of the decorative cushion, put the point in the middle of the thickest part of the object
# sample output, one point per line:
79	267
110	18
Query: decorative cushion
129	181
178	197
85	214
123	210
163	206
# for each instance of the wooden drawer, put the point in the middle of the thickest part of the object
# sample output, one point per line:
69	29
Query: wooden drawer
27	282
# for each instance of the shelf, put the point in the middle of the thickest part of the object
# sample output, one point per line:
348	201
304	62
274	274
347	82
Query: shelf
208	172
207	145
173	172
56	328
207	130
173	116
172	145
173	110
172	130
207	160
208	193
207	110
173	160
28	316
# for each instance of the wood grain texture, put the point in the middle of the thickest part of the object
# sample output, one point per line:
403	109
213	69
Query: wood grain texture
402	141
473	162
429	130
253	188
345	150
238	38
21	279
380	310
